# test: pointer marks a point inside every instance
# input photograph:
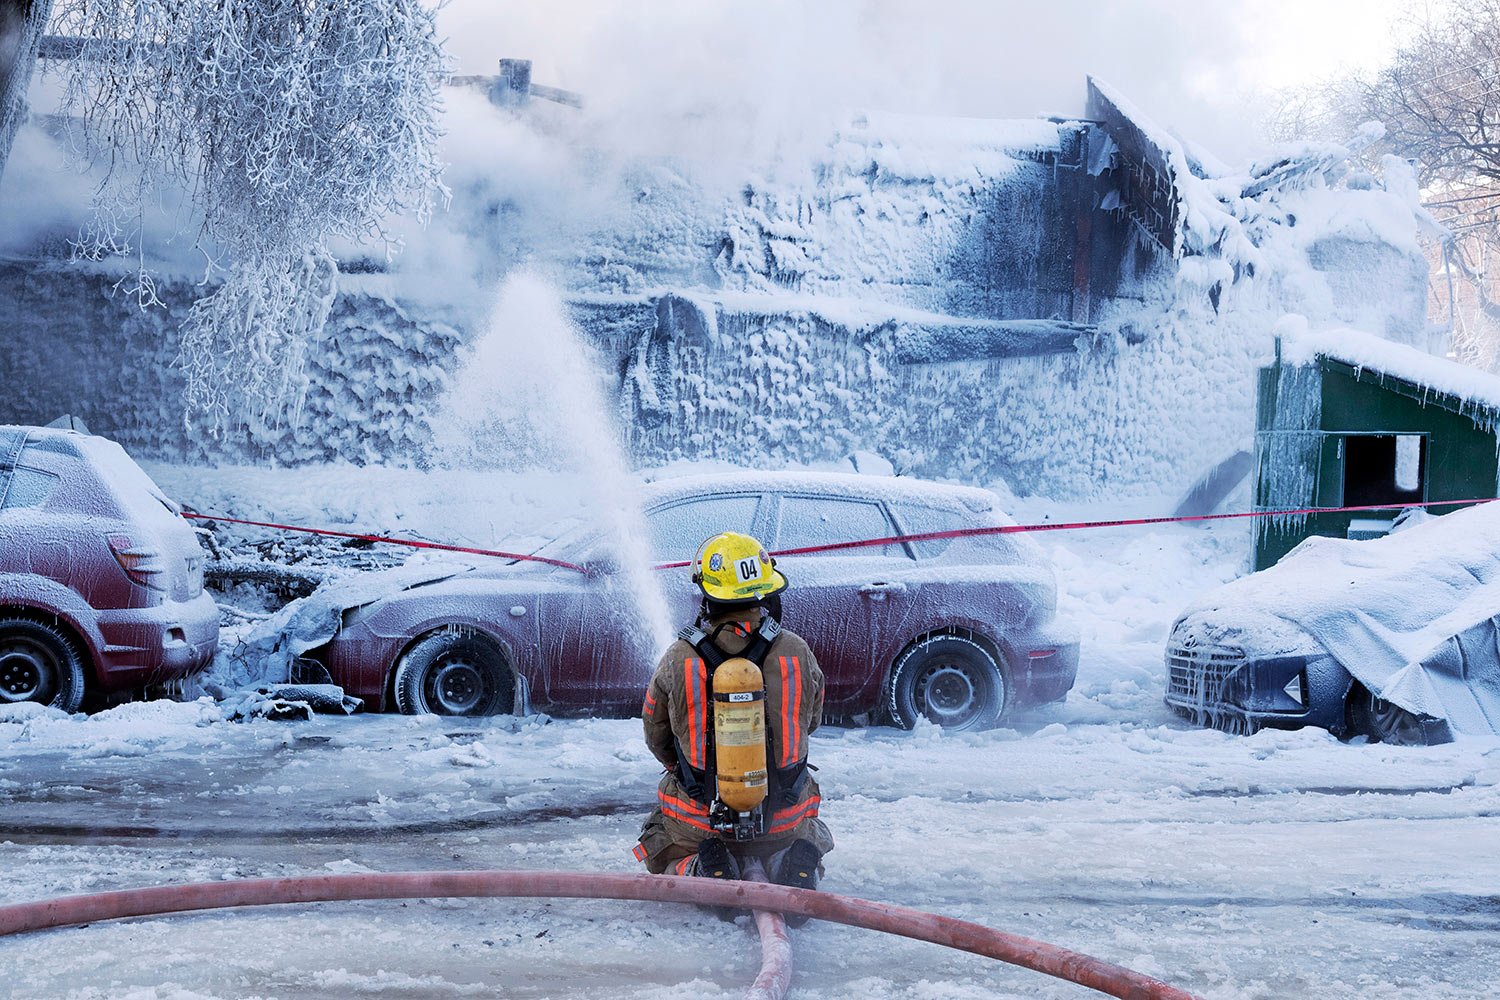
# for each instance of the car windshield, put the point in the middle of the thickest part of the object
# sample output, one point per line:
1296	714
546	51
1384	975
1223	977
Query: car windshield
126	480
568	538
675	530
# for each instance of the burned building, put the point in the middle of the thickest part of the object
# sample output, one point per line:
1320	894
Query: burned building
1073	306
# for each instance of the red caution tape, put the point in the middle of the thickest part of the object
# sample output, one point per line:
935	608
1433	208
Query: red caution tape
388	540
924	536
1013	529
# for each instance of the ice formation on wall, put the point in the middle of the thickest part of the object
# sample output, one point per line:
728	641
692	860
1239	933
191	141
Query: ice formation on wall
1075	307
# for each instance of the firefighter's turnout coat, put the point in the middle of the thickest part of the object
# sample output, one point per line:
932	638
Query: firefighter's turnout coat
677	714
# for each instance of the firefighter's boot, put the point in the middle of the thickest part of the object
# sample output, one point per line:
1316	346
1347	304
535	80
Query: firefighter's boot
715	861
798	868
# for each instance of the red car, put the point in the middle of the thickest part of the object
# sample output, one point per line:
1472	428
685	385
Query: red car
101	580
960	631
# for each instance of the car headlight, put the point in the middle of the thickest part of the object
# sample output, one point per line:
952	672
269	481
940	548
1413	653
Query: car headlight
1278	684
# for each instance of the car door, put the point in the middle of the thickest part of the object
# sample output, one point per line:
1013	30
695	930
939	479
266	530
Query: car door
842	602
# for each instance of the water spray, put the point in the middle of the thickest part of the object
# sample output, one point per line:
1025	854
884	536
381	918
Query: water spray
533	394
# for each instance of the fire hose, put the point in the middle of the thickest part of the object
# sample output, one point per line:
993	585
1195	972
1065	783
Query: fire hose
1075	967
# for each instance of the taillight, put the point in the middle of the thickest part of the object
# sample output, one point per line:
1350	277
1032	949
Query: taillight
195	576
139	563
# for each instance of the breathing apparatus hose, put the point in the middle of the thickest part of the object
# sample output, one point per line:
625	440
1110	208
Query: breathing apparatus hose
1051	960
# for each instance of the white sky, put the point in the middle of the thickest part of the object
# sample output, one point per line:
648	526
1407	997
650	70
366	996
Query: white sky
1200	66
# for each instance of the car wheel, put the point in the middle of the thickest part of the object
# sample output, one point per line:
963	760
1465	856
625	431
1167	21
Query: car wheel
455	671
951	681
41	663
1385	722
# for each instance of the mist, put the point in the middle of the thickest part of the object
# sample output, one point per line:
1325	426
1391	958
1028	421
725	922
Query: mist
728	78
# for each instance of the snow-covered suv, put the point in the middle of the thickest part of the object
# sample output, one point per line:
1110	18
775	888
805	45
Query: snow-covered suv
101	580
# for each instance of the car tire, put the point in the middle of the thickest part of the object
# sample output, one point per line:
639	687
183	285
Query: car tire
1384	722
454	671
40	663
950	680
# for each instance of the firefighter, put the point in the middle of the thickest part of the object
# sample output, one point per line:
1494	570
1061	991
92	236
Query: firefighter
693	831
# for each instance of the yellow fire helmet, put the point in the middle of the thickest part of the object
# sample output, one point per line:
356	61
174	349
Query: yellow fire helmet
732	568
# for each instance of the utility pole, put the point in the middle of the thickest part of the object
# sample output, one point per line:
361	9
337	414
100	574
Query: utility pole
21	24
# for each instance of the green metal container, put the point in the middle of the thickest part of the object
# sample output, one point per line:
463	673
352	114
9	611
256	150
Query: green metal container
1333	434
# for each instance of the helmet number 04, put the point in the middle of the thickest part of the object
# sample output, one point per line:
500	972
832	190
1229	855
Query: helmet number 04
747	569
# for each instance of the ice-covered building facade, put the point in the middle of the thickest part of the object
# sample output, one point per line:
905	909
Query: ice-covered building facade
1072	306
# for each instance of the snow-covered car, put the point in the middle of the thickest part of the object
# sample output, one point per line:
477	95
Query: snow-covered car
1395	638
101	580
959	631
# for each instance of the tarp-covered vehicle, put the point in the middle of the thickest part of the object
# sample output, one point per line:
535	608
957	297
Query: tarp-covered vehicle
1396	638
959	631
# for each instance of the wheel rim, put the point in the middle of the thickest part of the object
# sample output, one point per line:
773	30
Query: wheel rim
455	687
1393	723
948	694
26	671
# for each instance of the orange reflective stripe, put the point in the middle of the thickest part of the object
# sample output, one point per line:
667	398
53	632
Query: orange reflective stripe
692	716
798	750
786	715
648	707
800	807
696	708
683	805
696	822
787	819
681	867
694	814
791	712
639	852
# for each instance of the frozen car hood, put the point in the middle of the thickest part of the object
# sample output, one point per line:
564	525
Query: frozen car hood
266	652
1414	616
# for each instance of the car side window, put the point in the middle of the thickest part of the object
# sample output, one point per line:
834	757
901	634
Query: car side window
918	519
29	488
808	521
677	530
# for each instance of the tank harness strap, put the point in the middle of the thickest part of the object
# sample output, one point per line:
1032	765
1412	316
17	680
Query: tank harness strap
759	648
700	641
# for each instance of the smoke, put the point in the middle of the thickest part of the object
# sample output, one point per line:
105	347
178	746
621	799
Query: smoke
688	77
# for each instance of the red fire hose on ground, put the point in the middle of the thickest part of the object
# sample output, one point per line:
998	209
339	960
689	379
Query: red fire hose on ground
775	976
1051	960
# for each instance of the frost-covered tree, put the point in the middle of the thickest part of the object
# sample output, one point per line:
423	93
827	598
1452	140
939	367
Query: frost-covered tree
21	23
289	124
1438	97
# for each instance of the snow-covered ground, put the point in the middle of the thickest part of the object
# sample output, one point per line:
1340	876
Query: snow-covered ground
1279	865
